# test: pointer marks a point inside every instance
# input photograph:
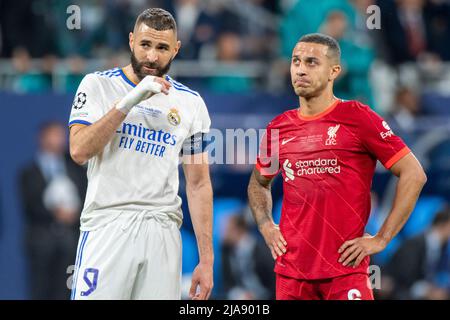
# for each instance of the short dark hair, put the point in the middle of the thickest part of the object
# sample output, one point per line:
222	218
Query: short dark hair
442	217
334	50
157	18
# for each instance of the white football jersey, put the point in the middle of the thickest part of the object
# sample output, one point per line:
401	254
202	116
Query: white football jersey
138	168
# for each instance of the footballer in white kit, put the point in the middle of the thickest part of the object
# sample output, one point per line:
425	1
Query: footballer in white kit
132	126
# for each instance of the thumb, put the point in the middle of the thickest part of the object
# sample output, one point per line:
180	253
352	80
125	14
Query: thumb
193	288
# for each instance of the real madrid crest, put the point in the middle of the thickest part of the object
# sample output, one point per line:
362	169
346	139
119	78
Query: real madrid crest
174	117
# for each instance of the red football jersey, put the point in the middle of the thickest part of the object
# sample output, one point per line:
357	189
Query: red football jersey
327	163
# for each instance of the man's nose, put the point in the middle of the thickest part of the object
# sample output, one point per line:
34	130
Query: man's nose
300	70
152	55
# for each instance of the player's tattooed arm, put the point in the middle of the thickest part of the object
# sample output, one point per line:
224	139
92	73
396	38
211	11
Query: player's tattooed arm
260	200
88	141
411	180
200	200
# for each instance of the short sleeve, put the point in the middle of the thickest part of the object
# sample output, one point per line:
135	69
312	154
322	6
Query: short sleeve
267	162
87	104
197	141
380	140
202	122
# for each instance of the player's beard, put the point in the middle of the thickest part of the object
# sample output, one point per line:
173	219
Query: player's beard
139	71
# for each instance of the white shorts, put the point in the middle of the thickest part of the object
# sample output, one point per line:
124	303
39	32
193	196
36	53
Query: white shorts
136	256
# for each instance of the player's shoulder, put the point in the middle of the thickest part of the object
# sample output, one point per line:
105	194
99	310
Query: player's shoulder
354	106
183	89
357	112
354	110
110	73
283	118
102	77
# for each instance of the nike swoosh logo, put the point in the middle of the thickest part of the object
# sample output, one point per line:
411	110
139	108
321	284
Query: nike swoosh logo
286	141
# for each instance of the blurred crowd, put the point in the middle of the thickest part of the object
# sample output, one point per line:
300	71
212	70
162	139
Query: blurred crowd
401	69
402	43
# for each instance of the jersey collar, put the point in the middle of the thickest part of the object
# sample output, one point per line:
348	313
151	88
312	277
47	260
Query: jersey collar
321	114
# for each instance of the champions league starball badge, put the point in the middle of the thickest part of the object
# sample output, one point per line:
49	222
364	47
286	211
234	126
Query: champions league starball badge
174	117
79	101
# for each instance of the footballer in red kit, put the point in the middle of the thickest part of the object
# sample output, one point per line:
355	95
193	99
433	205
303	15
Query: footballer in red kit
326	151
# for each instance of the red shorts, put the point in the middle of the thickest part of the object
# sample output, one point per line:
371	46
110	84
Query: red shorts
349	287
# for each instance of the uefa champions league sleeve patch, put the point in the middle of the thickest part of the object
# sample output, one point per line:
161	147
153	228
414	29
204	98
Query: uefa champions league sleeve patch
79	101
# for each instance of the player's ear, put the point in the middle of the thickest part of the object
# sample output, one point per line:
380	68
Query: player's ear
335	71
131	40
177	48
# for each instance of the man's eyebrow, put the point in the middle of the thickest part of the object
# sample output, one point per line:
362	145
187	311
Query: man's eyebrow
309	58
161	44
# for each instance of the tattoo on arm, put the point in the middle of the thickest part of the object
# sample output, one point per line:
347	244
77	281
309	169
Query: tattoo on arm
260	198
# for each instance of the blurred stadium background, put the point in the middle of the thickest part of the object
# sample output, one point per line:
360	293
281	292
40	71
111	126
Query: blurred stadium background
236	54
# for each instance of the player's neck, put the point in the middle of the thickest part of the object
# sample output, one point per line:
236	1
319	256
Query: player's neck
310	107
129	72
